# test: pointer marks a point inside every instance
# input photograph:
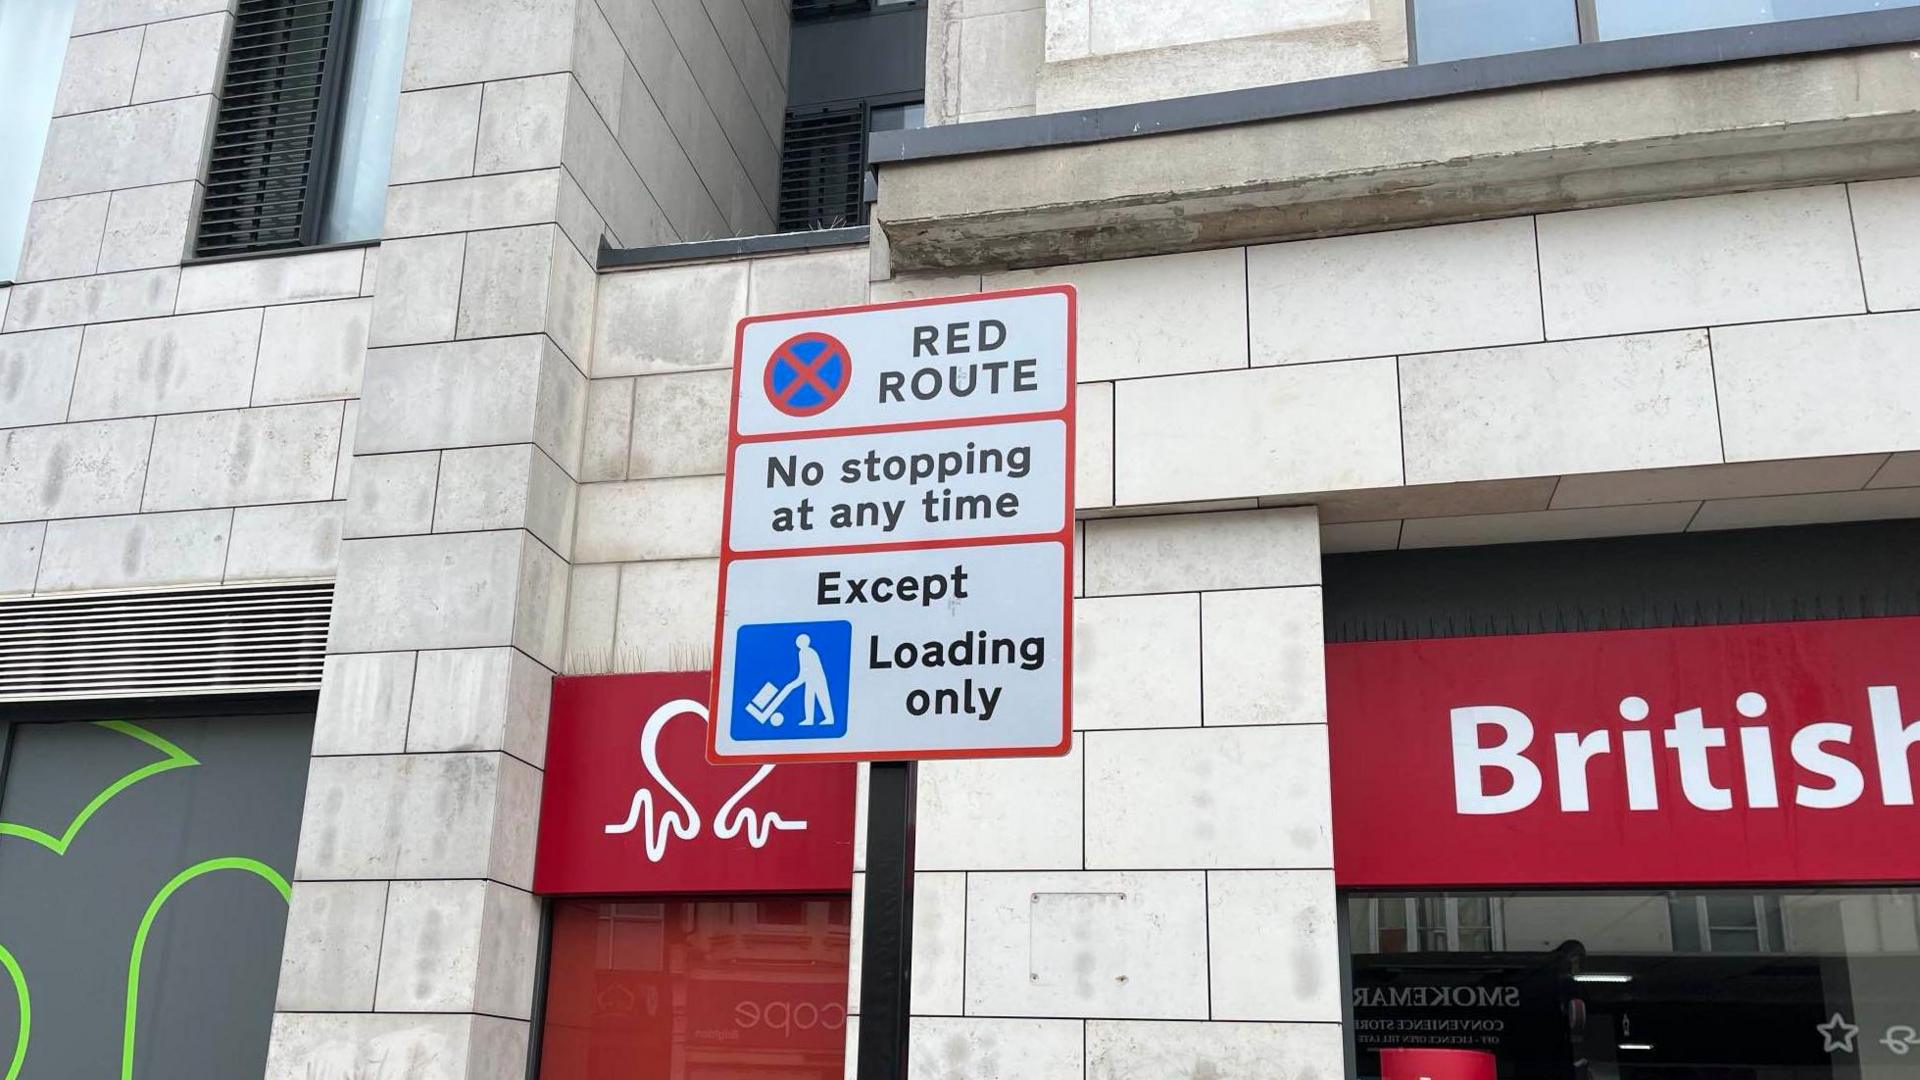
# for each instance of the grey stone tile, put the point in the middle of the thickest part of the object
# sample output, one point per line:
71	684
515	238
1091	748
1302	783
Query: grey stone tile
599	60
680	424
343	465
92	16
63	237
521	122
364	700
66	470
306	1045
419	295
294	540
241	457
664	166
148	226
311	352
765	86
433	134
608	178
20	546
140	294
332	953
182	57
137	551
156	143
286	279
175	364
609	426
36	375
503	287
392	494
480	699
445	591
464	41
99	71
677	318
825	279
500	390
475	202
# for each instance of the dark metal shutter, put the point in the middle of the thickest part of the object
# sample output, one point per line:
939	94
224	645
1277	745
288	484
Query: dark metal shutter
820	9
823	157
263	175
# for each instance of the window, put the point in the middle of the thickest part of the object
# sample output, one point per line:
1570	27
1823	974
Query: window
305	129
1456	29
33	44
1429	923
1727	923
1648	985
824	160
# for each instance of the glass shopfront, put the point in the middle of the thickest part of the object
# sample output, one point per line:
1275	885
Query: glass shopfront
1721	984
697	989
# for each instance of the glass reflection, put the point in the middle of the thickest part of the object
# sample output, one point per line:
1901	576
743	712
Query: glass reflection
1720	984
1457	29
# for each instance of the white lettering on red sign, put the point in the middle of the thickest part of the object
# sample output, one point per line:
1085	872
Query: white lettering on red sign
1700	752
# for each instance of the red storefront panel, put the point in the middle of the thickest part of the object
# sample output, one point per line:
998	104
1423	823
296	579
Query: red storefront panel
697	989
1755	754
630	804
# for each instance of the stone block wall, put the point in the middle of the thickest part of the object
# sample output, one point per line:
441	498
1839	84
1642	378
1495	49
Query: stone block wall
988	59
161	424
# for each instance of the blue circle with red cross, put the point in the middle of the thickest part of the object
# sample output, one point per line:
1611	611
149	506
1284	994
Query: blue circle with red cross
808	373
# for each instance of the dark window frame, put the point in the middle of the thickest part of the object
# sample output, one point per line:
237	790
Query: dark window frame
316	187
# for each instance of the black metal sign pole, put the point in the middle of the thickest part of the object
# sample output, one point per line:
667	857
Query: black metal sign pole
886	951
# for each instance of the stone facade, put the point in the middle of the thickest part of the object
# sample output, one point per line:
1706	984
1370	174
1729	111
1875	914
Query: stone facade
511	462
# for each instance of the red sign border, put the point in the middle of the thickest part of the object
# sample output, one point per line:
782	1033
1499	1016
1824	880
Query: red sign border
1064	535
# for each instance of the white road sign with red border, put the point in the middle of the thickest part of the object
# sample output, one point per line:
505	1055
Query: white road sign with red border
896	560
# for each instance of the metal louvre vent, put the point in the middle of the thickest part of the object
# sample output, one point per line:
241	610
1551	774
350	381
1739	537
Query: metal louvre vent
273	109
823	157
234	640
821	9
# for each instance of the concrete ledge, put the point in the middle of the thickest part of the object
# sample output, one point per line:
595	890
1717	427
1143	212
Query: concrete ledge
613	258
1596	141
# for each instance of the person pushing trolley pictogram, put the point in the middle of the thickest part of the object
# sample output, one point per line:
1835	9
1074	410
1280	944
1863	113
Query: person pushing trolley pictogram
780	661
812	682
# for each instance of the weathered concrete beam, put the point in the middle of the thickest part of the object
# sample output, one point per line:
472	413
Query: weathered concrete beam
1653	135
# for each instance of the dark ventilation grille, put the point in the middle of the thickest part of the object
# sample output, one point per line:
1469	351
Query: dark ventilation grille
822	159
273	112
230	640
821	9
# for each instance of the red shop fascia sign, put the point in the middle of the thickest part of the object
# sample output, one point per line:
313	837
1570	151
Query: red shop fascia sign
631	806
1755	754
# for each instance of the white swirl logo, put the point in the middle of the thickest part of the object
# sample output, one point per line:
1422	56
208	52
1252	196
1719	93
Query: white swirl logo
660	825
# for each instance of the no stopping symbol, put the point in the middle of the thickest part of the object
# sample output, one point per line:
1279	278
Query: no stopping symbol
808	373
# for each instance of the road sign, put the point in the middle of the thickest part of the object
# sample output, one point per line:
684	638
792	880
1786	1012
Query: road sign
899	524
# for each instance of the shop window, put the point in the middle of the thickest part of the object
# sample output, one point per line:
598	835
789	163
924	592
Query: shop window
1722	984
144	868
697	989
